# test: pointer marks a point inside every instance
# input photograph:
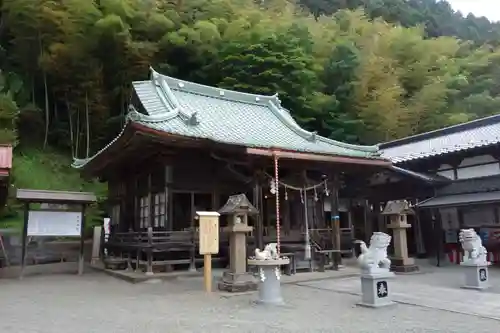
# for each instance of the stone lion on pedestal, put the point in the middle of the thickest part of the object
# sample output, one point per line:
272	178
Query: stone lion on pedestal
475	252
374	259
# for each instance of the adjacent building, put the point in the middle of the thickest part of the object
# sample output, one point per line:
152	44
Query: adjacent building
459	168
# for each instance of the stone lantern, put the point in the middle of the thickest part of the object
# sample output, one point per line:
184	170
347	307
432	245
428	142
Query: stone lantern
398	212
237	279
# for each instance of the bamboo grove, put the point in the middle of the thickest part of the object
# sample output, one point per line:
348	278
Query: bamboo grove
67	65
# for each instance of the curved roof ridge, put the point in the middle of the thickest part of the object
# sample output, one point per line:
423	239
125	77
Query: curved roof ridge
135	115
227	94
290	123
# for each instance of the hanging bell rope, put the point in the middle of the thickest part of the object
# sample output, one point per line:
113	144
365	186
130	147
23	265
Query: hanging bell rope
276	189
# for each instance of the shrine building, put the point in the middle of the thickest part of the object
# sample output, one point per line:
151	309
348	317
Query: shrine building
187	147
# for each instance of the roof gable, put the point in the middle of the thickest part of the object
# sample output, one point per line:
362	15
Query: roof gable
477	133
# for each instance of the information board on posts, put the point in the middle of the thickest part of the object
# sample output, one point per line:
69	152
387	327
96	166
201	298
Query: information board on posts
54	223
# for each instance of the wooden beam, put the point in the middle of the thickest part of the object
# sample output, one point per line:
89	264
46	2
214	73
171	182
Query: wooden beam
318	157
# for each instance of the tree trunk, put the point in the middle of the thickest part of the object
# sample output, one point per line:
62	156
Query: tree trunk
87	124
77	137
71	135
46	92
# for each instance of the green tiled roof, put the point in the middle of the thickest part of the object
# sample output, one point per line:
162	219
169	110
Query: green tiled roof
192	110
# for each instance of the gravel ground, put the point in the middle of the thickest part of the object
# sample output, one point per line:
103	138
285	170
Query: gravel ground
96	303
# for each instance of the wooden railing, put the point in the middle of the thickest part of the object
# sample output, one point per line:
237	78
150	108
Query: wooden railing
155	245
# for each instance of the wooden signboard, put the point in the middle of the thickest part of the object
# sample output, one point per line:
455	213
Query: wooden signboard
209	243
209	233
54	223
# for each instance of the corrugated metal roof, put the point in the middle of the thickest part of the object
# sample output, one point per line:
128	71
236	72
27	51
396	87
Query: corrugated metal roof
6	157
461	200
474	134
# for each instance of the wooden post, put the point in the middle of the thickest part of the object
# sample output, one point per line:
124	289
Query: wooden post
149	267
336	221
208	243
4	251
24	237
82	243
207	272
257	202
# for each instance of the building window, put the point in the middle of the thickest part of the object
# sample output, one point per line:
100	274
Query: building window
144	212
159	210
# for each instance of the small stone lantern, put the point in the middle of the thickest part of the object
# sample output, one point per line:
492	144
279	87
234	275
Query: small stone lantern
398	212
237	279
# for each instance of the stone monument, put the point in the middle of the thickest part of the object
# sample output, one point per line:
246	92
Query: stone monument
375	271
269	265
96	245
474	260
398	212
237	279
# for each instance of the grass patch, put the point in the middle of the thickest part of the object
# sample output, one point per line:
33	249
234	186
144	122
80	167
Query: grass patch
13	223
48	170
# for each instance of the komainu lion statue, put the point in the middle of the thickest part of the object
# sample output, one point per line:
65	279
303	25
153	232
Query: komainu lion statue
374	259
270	252
475	252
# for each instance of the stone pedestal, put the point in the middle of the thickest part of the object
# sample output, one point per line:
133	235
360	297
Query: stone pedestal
270	276
375	289
476	275
401	262
237	279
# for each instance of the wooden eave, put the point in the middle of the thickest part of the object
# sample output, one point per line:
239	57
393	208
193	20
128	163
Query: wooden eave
129	139
61	197
313	157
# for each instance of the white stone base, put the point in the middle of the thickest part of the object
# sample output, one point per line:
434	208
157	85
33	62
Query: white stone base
270	276
375	290
476	276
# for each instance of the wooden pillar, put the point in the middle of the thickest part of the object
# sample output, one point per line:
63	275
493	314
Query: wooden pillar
367	221
257	202
82	242
192	227
24	238
286	216
438	234
377	210
335	220
150	222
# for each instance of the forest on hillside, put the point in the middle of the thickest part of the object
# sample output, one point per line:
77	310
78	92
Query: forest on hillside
360	71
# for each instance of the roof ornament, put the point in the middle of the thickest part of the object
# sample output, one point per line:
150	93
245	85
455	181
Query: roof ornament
193	119
257	99
180	84
277	99
313	136
133	114
221	93
153	75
